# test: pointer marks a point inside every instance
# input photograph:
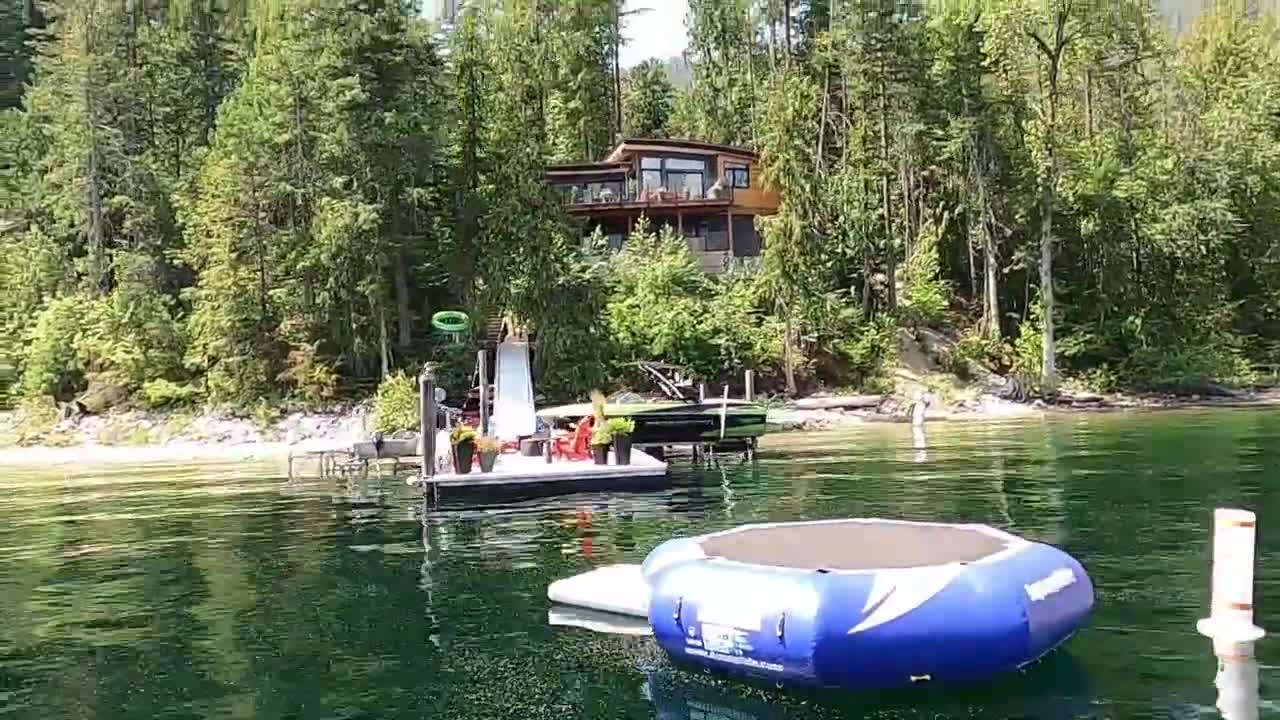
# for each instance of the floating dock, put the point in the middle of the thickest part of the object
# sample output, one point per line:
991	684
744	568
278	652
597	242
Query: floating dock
519	470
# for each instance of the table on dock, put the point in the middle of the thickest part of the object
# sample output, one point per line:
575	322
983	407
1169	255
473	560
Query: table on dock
513	469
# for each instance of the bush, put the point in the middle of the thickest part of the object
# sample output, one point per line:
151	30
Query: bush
53	367
869	350
975	350
661	306
165	393
395	406
925	296
313	379
1028	349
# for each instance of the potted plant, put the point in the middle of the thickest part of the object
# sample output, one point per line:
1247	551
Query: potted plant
620	430
600	439
488	447
463	440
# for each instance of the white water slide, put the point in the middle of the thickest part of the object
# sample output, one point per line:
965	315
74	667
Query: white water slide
513	413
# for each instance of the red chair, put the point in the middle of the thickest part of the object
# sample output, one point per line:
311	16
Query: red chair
577	444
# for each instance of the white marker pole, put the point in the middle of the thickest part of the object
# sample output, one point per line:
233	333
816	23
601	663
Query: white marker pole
1230	621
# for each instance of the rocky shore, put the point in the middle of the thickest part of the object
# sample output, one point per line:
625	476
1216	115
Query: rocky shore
146	436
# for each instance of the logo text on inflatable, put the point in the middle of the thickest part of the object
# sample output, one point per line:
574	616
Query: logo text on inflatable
1055	581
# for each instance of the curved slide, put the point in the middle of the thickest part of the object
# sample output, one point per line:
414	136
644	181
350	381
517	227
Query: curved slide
513	412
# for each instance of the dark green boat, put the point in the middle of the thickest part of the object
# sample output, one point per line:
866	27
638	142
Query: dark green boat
675	416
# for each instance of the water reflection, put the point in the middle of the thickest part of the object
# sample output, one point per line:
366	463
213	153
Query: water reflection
1057	688
1237	683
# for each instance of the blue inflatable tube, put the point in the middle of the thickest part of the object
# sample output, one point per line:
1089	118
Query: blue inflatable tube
863	603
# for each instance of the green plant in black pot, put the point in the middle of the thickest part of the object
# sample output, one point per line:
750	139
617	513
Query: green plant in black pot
463	439
620	430
488	448
600	439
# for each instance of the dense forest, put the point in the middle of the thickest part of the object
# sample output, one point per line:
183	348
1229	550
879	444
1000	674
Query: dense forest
232	200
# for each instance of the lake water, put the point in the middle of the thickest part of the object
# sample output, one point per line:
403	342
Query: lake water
229	591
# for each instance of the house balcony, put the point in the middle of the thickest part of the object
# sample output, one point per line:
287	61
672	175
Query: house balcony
616	199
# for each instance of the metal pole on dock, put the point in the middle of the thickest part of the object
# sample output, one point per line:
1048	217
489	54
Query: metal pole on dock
482	365
427	418
749	386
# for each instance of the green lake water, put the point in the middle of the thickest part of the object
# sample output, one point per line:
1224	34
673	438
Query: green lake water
229	591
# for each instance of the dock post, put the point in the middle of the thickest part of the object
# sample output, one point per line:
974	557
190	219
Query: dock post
482	366
749	386
427	418
1230	621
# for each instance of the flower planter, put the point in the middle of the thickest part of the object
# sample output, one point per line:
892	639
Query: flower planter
601	454
622	449
487	459
462	454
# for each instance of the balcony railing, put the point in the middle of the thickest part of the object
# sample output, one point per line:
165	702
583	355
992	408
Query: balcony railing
599	195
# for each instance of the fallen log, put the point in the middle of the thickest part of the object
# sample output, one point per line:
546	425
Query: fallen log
836	402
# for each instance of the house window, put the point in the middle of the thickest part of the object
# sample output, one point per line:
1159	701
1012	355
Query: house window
738	174
685	184
746	243
717	235
682	177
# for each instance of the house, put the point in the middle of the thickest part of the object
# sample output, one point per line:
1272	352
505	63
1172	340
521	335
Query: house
710	194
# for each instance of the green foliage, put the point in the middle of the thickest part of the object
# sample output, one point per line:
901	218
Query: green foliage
52	366
1028	361
163	393
661	306
868	350
395	405
601	436
647	100
269	202
488	444
927	296
620	426
974	350
462	433
313	379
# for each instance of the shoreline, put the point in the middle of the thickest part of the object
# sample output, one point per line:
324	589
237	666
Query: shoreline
150	439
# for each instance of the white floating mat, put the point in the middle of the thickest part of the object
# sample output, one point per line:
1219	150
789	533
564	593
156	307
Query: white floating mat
596	621
619	589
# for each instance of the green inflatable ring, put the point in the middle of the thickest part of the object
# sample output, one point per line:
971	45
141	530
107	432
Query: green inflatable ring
450	321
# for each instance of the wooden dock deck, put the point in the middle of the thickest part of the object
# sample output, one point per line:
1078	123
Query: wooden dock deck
512	470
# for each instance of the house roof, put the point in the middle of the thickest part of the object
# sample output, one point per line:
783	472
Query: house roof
632	144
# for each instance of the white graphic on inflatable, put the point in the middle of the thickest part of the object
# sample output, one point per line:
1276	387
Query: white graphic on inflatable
1057	580
896	592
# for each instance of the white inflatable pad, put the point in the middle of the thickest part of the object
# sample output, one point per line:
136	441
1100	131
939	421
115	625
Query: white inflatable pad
619	589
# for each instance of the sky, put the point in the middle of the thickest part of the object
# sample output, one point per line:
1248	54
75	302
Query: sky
657	31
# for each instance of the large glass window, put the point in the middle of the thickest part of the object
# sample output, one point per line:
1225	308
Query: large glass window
738	174
686	185
685	178
686	164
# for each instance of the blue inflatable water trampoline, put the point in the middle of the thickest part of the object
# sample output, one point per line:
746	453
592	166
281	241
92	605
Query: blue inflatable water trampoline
863	603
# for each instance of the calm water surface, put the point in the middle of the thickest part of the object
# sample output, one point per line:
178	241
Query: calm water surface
229	591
